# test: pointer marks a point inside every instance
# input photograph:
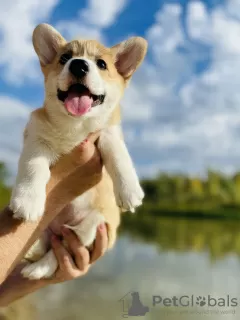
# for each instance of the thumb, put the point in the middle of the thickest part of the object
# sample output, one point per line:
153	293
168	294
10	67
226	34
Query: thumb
77	158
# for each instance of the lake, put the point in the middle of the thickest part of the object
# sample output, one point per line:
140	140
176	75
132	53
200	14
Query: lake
186	259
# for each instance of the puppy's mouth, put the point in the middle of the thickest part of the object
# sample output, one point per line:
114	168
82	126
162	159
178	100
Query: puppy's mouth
78	99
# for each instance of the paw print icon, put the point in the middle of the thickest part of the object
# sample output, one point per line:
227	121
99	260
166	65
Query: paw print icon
201	301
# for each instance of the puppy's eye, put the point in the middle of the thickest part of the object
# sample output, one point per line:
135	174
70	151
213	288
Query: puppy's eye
101	64
65	57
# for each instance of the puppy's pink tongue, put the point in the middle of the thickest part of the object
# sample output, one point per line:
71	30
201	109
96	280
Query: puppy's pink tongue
78	105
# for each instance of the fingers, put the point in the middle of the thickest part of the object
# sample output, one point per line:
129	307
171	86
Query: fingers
71	268
69	188
84	153
94	136
65	261
101	243
80	253
87	149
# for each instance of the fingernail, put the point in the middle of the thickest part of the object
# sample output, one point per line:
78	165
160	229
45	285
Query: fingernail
83	142
102	227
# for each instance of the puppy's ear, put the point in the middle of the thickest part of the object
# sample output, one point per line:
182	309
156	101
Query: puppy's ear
129	55
46	42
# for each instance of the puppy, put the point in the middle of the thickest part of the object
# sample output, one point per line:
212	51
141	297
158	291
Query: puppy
84	82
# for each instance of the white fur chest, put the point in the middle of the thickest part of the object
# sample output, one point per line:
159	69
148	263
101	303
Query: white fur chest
62	136
62	140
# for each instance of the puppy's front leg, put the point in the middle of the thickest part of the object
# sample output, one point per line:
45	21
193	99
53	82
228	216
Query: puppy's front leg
117	160
29	193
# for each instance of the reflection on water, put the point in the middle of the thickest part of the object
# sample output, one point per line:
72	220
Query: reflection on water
169	257
218	238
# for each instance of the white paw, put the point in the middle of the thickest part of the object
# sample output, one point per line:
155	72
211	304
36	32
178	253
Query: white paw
44	268
87	229
129	195
28	203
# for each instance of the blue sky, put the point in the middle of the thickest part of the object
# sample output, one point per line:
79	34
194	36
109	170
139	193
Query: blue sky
181	111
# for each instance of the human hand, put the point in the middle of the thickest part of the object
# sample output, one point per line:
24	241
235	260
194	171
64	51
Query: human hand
86	154
72	264
82	165
75	261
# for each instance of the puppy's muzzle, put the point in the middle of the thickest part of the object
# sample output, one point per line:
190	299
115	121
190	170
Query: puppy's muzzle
79	68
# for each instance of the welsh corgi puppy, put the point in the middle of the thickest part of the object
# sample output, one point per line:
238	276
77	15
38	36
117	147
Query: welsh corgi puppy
84	83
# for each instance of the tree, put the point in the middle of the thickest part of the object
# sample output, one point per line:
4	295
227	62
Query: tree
3	172
4	190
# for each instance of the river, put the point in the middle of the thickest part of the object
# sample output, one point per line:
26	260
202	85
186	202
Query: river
186	259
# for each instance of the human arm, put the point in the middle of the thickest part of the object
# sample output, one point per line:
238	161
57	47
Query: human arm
71	176
15	286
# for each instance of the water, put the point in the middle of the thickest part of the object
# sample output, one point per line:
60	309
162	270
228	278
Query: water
179	258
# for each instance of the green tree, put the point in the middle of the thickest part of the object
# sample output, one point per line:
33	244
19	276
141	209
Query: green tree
4	189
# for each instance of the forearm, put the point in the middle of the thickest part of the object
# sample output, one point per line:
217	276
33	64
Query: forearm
16	237
16	287
70	267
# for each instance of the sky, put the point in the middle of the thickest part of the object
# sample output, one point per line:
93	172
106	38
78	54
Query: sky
181	112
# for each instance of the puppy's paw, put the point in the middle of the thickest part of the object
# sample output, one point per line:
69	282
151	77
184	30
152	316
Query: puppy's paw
129	195
87	229
42	269
28	204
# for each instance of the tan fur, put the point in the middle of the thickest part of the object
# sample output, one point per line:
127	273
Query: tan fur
103	199
105	202
54	130
103	194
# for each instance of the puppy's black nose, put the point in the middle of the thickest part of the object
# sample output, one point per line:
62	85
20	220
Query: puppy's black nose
79	68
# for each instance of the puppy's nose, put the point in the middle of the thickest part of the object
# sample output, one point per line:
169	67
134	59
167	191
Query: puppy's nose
79	68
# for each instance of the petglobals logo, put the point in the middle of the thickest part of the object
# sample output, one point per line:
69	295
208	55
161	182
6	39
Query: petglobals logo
195	301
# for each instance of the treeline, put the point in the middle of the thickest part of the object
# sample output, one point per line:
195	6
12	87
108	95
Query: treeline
216	194
5	191
175	196
212	203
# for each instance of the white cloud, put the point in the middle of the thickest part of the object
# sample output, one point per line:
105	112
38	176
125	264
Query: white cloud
102	13
19	61
13	116
198	21
233	8
73	30
182	109
19	18
193	119
92	20
17	21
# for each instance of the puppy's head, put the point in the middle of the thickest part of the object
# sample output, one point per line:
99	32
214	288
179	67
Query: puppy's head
82	77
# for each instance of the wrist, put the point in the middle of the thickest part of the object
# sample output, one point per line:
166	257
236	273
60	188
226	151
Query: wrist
15	286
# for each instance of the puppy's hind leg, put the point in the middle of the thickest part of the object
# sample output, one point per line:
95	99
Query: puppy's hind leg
86	231
43	268
39	248
43	263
